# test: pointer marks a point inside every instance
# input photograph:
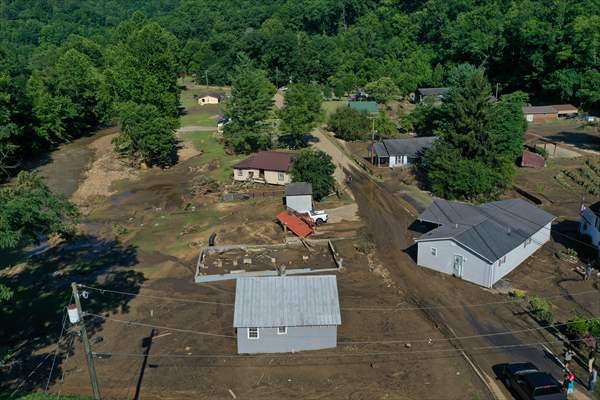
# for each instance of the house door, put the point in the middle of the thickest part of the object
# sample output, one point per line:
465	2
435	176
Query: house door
457	266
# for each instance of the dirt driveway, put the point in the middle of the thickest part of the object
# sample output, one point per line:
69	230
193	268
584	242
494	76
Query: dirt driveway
340	159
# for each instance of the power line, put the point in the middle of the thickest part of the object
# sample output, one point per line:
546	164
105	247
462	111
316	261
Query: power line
392	308
62	330
390	341
159	327
153	297
327	355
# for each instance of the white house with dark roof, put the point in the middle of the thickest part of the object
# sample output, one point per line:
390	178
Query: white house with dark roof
286	313
399	152
481	243
590	224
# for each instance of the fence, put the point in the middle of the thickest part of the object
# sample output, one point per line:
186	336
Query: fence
233	196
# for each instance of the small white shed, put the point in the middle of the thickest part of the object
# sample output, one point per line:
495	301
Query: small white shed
298	196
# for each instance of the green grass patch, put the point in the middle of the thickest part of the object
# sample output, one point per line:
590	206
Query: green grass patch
212	152
329	107
199	118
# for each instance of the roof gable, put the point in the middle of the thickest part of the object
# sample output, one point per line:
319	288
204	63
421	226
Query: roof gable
491	230
286	301
268	160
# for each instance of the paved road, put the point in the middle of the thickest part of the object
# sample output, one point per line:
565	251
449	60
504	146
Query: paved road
388	225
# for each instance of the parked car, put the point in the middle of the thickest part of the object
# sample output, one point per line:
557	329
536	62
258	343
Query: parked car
318	217
527	382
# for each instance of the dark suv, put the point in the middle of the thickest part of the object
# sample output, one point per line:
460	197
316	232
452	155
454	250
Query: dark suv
529	383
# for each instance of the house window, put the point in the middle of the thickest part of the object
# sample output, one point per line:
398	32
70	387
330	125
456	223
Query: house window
240	172
282	330
433	251
253	333
280	176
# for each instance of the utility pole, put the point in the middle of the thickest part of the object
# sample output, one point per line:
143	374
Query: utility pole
86	344
497	84
206	76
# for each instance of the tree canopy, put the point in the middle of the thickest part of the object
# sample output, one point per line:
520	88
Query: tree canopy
350	124
479	139
300	113
53	53
315	167
249	109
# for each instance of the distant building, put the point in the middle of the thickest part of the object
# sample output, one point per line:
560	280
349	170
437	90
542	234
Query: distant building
211	98
540	113
533	160
399	152
272	167
368	106
286	313
298	197
590	224
481	243
433	95
565	110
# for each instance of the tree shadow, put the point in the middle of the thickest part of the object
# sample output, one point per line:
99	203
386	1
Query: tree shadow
567	234
32	320
581	140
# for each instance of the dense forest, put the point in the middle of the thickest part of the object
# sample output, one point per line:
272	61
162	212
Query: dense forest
68	67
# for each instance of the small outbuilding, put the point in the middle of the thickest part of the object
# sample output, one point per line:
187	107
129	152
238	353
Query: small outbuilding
533	160
286	314
211	98
540	113
481	243
298	197
432	95
368	106
399	152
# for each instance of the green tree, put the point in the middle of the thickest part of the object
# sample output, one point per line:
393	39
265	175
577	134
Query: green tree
144	68
479	140
315	167
249	108
300	113
147	135
9	130
383	89
31	211
350	124
384	127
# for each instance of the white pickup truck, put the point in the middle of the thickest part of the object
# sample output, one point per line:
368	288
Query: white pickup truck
319	217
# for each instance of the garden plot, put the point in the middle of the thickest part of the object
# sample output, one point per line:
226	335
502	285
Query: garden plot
585	178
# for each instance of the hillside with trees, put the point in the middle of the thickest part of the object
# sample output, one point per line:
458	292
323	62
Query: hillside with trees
65	68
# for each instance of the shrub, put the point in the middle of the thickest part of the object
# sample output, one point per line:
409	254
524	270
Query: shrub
541	309
350	124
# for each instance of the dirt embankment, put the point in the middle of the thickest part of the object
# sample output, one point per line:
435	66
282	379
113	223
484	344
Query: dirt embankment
106	168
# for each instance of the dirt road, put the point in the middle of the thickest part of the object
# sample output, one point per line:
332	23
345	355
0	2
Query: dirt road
388	229
340	159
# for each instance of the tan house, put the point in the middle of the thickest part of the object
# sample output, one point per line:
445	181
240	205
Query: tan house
540	113
211	98
272	167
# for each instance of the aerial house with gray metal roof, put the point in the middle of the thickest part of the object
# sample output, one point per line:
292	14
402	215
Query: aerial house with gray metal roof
285	314
481	243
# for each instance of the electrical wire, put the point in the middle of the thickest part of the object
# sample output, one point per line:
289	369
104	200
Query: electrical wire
327	355
390	341
395	309
62	330
158	326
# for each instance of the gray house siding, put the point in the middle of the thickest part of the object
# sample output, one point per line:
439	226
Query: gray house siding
297	338
522	252
476	269
301	204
